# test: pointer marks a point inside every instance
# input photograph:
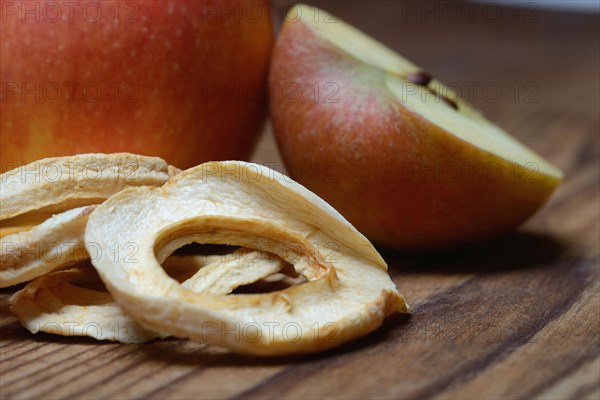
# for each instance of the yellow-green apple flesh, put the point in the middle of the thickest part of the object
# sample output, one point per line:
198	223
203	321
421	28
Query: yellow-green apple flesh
410	169
183	80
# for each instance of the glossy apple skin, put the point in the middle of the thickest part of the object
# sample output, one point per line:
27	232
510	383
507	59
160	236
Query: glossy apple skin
183	80
376	162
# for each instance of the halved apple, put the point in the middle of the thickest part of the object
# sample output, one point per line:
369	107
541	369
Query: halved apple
394	150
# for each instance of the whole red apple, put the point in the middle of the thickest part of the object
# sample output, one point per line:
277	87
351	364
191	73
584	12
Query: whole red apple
183	80
394	150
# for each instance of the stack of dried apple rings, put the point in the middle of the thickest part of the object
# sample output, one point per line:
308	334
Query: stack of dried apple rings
44	207
131	296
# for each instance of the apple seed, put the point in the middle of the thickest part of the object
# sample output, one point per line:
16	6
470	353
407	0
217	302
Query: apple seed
420	78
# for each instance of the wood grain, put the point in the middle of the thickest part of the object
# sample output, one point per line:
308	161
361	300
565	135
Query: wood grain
518	317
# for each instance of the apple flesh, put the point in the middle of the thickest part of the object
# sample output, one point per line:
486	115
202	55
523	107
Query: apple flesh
410	165
183	80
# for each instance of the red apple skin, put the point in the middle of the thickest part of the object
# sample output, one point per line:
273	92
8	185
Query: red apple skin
369	156
157	69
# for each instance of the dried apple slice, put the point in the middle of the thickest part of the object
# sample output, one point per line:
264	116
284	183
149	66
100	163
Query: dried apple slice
241	268
75	302
11	230
72	303
349	292
33	193
54	244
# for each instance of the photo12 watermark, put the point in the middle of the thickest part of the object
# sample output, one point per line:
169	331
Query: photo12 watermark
91	12
69	92
238	332
132	12
126	172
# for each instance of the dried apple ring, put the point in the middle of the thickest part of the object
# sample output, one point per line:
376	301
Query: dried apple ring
72	303
239	268
32	193
54	244
11	230
349	292
75	303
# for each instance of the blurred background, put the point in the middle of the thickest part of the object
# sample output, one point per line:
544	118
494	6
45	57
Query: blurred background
574	5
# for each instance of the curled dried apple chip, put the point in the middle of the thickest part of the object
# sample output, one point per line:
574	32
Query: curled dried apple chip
34	192
75	302
44	207
54	244
348	293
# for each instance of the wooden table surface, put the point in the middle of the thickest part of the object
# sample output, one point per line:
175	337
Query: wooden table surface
518	317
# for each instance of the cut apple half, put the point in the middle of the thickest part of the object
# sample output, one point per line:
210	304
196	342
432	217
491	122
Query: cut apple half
424	95
395	151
